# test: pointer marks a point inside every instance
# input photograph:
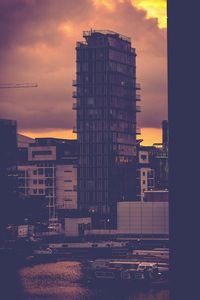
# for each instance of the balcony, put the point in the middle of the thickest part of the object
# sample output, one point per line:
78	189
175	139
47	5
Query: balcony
106	32
74	82
138	86
75	130
75	106
81	44
138	131
162	155
75	94
137	97
133	50
138	108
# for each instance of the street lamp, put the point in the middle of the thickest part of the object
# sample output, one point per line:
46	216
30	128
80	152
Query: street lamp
106	222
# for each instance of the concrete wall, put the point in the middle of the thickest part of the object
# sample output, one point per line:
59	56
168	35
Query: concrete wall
60	188
42	153
72	225
24	141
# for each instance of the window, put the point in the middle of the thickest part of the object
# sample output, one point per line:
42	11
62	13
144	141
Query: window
41	181
68	191
68	171
35	172
67	180
41	191
49	182
35	153
151	174
40	171
21	173
49	172
90	101
21	182
143	182
143	157
84	67
150	183
49	192
143	173
99	66
34	181
99	53
138	173
34	191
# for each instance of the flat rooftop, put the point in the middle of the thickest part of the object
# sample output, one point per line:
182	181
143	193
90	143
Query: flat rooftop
106	32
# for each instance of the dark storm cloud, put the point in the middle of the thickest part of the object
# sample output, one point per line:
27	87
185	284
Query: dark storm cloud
38	41
31	21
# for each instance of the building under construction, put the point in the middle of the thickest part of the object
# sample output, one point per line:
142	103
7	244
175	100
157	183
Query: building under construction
106	97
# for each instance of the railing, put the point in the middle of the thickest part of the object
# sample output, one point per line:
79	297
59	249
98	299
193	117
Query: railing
138	131
138	86
138	108
137	97
75	94
132	50
75	130
162	155
90	32
75	106
81	44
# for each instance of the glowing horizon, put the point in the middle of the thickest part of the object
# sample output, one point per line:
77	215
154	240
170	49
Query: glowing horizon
149	135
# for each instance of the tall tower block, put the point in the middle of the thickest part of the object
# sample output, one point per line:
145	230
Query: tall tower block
106	97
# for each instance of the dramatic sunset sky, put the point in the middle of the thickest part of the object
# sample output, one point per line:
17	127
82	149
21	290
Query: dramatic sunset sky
38	39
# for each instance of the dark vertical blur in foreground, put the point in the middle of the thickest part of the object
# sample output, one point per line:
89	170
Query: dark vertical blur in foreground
10	287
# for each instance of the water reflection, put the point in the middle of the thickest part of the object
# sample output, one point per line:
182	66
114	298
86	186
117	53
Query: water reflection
64	280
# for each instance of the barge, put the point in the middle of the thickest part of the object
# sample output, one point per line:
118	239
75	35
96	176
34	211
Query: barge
90	250
123	271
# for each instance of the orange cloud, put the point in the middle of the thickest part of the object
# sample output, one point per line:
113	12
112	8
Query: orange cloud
66	27
149	135
155	9
109	4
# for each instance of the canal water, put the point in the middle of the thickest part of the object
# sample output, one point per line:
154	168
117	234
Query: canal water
64	281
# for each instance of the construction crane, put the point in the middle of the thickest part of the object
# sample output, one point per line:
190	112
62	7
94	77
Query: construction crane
17	85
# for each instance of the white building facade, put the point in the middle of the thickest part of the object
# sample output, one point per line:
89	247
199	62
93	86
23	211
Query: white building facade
145	175
76	226
51	173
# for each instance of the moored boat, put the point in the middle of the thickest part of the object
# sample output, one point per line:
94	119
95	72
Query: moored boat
90	249
123	271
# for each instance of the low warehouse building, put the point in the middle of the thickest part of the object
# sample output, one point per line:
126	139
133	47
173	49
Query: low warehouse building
148	217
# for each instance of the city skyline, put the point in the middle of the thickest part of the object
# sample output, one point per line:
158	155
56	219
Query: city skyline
43	51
